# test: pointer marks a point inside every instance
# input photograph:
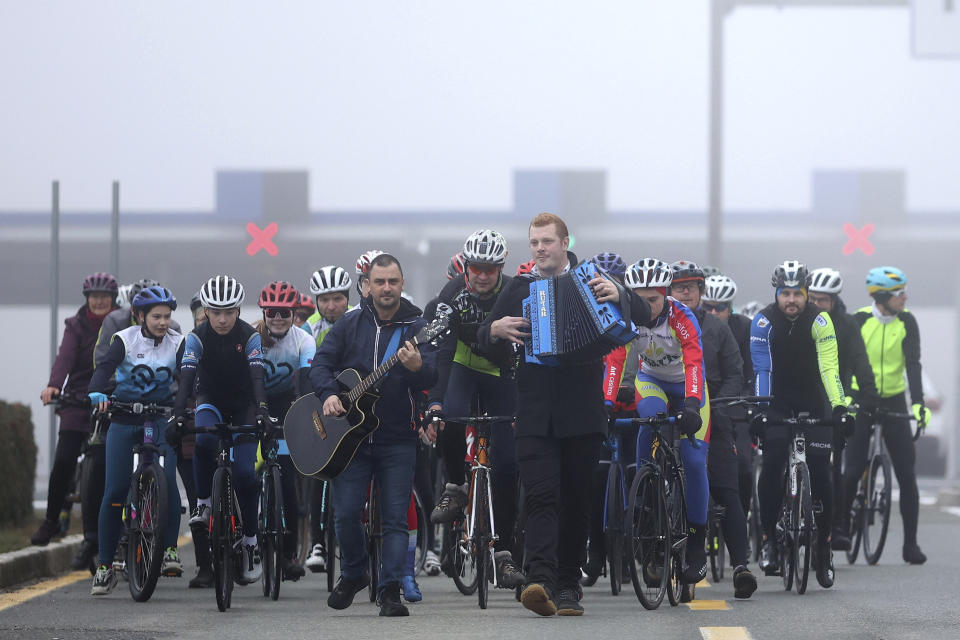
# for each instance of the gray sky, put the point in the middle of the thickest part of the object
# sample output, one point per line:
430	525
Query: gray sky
433	104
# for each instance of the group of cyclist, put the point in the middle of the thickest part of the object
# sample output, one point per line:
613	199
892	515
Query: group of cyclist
803	349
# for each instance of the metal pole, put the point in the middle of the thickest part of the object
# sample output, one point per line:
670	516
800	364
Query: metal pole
54	304
718	13
115	232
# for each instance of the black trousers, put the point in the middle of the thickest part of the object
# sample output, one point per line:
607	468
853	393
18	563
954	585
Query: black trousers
557	474
898	437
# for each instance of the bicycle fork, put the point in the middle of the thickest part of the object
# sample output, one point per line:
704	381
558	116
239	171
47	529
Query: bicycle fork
481	466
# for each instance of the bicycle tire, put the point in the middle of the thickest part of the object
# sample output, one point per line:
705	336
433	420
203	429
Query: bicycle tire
856	523
878	507
721	550
464	567
271	531
85	471
147	524
305	489
330	536
613	527
713	543
677	511
423	521
785	530
482	535
221	537
805	533
756	527
648	530
373	543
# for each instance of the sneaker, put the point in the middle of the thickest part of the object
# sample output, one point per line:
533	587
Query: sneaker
317	560
411	590
594	567
292	570
86	555
509	575
342	595
203	579
744	583
823	563
840	540
47	530
568	602
390	604
200	516
172	567
536	597
103	581
431	564
770	559
913	555
252	567
451	505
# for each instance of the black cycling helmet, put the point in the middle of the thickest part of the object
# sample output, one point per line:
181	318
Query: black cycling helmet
195	302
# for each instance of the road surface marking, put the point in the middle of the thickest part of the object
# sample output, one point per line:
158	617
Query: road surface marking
14	598
708	605
703	584
724	633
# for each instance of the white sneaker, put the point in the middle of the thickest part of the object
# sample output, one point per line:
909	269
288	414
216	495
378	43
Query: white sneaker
317	560
104	581
431	564
200	515
172	567
252	568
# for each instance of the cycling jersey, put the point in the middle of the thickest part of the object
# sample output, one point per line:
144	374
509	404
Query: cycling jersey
230	367
318	326
893	346
796	360
144	366
290	354
671	350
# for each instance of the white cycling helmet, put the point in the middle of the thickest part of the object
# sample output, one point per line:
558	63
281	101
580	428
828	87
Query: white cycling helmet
791	274
363	262
221	292
123	296
720	289
649	273
485	246
330	279
826	280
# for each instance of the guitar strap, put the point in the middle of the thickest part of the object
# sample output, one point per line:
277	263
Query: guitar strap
392	348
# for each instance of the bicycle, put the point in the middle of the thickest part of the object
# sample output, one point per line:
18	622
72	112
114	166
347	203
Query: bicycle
657	519
615	507
716	545
226	522
374	535
272	522
145	508
870	510
473	538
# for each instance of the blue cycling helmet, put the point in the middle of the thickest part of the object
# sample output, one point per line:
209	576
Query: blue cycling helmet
611	262
885	279
152	296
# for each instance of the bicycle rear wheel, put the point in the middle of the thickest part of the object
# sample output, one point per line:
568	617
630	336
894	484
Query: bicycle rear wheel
856	523
271	531
221	537
305	488
330	535
714	543
805	529
613	527
648	535
146	524
423	522
677	512
876	517
373	543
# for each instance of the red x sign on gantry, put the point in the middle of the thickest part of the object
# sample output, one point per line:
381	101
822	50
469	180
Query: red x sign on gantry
858	239
261	239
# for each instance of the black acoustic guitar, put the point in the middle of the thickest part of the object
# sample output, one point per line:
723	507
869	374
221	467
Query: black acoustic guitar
323	446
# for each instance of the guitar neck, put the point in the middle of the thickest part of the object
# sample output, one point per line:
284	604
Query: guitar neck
367	383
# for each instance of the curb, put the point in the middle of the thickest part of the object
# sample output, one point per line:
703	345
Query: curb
949	497
38	562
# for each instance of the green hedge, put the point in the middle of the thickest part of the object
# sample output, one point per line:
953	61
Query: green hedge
18	462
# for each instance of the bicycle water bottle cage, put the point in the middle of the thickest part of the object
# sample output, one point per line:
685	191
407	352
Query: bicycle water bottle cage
137	408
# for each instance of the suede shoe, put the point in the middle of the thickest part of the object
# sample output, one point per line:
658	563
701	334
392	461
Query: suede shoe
390	605
744	583
537	598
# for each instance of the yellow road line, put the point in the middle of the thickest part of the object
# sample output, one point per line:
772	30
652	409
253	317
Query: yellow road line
703	584
724	633
14	598
20	596
708	605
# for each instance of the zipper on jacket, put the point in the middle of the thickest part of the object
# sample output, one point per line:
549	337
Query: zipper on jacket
883	339
376	350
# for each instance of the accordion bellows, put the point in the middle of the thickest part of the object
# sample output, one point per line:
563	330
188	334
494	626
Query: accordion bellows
568	325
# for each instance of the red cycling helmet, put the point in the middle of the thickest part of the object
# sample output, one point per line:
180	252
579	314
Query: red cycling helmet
306	303
100	283
279	295
456	267
526	268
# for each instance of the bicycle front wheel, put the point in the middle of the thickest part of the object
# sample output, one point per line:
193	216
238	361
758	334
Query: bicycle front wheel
221	537
648	538
876	517
373	543
482	537
805	529
423	521
146	522
330	535
457	555
271	531
675	489
855	530
613	527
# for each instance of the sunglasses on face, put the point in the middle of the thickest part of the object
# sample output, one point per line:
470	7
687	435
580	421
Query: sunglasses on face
278	313
477	269
714	308
899	293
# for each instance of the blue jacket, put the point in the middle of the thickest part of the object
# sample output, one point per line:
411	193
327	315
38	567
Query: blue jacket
358	340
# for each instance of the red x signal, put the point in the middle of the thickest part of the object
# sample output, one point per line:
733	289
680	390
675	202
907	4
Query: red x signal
261	239
858	239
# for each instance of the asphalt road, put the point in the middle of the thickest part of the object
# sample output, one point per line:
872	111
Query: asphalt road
890	600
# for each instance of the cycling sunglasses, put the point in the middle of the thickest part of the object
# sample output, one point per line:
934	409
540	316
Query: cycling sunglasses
900	293
717	308
477	269
278	313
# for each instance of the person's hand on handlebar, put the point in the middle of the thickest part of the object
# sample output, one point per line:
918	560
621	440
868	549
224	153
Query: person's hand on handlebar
48	394
689	419
843	420
174	431
433	422
922	414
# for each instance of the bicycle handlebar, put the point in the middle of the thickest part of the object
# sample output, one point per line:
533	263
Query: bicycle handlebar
139	408
733	401
475	419
66	400
880	412
658	420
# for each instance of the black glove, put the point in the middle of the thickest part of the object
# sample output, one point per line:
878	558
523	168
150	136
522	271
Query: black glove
174	431
758	424
843	420
867	404
627	395
689	419
262	413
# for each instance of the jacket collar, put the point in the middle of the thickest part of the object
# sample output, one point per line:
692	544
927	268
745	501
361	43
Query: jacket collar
407	313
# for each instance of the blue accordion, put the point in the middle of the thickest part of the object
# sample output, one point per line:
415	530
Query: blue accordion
568	325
